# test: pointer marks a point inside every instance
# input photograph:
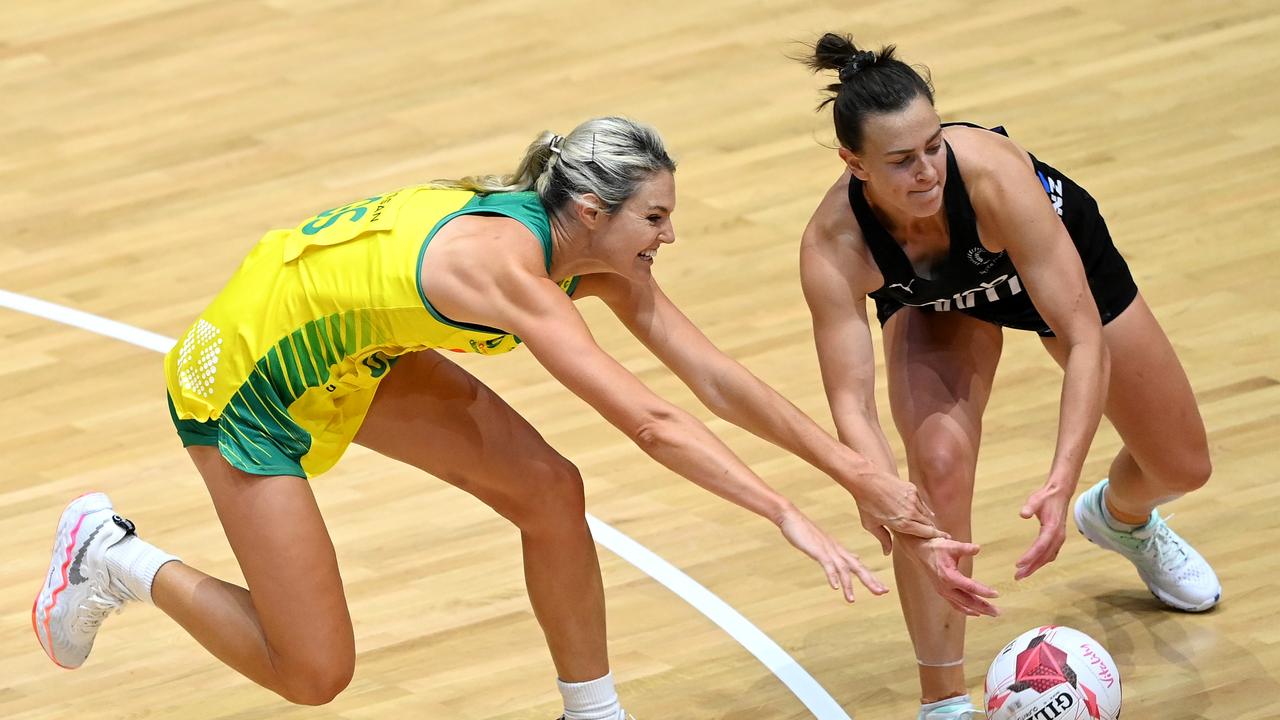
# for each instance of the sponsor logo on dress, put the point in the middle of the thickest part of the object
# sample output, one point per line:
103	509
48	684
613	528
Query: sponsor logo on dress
485	346
378	364
1005	286
1052	188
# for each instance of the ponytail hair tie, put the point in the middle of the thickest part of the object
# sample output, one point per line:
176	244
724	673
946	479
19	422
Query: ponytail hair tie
859	61
557	141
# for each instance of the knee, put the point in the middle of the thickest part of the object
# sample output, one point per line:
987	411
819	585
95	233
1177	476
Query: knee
318	684
944	472
1189	473
551	493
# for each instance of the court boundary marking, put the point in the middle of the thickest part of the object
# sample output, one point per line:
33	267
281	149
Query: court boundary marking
798	680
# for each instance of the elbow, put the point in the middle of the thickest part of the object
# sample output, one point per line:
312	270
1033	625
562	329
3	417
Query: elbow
866	410
711	392
1089	350
1096	344
719	404
1088	342
657	429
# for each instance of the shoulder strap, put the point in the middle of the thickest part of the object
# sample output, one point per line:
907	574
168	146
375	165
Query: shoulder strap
524	207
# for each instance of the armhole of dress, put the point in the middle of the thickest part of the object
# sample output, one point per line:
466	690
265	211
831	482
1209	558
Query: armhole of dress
417	274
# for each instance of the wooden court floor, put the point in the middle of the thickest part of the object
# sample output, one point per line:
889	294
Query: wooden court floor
145	145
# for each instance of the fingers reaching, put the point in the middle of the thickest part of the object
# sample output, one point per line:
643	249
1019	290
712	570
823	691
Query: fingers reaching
884	536
845	567
966	595
972	587
1030	507
1043	551
838	564
833	576
865	576
1049	508
924	509
963	593
920	529
846	581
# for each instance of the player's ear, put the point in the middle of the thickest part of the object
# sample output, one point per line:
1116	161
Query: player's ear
589	210
854	163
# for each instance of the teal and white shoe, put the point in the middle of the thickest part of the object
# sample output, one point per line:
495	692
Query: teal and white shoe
1174	572
960	708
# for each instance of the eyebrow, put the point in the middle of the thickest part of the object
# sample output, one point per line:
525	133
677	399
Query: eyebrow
659	207
908	150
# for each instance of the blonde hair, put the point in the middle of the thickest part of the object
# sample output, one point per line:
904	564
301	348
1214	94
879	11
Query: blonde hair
607	156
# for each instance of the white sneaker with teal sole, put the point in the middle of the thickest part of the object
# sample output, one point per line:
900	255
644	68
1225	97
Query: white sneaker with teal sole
78	591
1174	572
959	710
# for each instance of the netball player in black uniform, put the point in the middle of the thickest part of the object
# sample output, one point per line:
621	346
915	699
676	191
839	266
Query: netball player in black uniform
957	232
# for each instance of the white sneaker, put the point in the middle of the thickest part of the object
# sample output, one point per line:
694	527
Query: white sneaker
78	592
960	710
1174	572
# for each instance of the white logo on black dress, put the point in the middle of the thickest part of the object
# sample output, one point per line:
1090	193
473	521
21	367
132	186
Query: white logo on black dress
1005	286
981	258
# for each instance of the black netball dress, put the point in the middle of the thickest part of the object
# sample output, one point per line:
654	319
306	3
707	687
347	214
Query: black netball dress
985	285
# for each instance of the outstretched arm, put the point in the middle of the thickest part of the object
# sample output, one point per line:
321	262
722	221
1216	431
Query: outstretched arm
842	334
1012	209
733	393
540	313
834	280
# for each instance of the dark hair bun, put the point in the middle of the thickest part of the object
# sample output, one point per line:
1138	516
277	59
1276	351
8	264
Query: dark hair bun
860	60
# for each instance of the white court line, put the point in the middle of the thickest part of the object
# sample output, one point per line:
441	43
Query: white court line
796	678
85	321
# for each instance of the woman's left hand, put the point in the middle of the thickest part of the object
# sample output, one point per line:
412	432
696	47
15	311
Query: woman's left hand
839	565
1049	505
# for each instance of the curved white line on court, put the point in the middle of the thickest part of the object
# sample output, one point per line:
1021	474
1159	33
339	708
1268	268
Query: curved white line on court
85	321
796	678
801	683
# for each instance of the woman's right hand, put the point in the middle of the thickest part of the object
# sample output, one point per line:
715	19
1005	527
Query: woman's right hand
887	503
940	559
838	563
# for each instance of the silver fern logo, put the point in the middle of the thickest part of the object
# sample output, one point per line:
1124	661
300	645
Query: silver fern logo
981	258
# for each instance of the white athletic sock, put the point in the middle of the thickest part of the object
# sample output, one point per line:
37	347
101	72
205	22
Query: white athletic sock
591	700
926	708
135	562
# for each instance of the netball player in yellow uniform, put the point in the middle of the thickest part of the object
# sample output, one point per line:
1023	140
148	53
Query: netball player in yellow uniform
328	333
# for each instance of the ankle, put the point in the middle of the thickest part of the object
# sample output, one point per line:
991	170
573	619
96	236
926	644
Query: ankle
133	564
934	702
591	700
940	683
1119	519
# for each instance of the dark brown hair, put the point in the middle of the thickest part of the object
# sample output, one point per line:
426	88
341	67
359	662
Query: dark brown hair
869	82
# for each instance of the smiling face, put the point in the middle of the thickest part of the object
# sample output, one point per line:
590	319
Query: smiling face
626	241
903	159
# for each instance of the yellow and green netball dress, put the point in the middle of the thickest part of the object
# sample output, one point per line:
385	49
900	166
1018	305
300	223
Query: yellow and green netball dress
279	371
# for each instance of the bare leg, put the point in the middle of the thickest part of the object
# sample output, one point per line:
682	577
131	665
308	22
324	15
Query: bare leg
290	631
940	369
1151	405
433	415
